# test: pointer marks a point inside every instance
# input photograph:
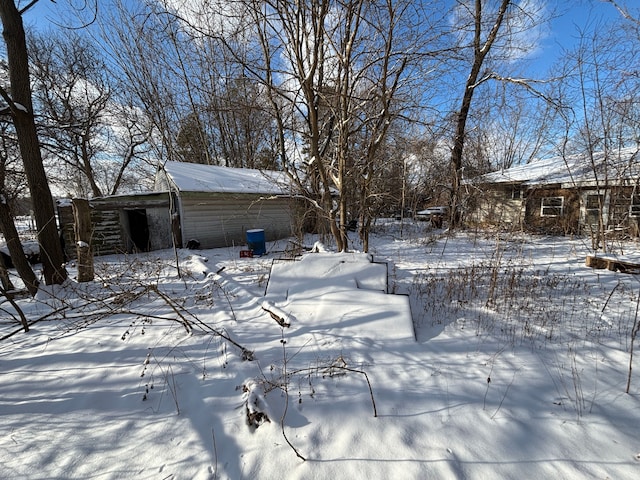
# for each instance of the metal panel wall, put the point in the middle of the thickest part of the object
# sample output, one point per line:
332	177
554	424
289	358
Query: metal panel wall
221	220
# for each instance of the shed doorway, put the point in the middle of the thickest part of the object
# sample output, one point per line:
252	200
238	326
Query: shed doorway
138	230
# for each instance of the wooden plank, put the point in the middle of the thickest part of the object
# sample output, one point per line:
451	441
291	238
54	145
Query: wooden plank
623	267
614	264
143	200
596	262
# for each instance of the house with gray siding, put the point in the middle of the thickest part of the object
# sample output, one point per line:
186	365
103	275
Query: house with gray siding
563	195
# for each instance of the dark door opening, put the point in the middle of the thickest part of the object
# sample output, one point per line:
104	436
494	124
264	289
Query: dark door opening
139	229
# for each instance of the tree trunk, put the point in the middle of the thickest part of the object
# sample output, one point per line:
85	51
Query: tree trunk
22	112
8	229
5	280
88	169
480	52
83	230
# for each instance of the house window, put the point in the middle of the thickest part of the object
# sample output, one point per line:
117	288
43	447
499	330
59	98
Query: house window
594	202
634	209
552	207
515	193
593	206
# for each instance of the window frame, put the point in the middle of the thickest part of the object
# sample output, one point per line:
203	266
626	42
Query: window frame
516	193
545	206
634	205
599	201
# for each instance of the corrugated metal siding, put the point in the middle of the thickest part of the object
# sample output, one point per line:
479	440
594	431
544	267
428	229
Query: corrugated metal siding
219	220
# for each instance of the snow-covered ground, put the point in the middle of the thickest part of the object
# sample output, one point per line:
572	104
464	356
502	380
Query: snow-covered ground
516	365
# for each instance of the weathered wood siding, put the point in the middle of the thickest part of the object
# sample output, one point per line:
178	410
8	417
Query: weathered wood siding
106	237
565	224
110	223
496	206
220	220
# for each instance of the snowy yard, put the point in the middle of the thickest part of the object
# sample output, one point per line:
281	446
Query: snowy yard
515	365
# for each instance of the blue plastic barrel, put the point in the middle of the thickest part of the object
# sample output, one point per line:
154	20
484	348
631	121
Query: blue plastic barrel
255	241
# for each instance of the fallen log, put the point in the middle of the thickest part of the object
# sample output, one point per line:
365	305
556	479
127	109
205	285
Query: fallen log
280	316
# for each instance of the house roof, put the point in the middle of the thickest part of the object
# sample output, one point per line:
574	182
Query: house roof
195	177
623	166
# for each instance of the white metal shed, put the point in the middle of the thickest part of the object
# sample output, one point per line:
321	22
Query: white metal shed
217	205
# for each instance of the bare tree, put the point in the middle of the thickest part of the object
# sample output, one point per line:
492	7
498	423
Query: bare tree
202	105
6	285
20	104
129	145
144	64
72	91
512	125
242	128
626	12
333	71
481	45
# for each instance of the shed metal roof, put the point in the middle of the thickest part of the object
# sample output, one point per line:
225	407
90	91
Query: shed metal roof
195	177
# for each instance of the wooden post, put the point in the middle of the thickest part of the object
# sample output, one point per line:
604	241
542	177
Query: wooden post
596	262
83	229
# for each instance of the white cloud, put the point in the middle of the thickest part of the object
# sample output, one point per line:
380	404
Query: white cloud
521	34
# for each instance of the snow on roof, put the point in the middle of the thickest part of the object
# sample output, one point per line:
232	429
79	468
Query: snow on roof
194	177
573	170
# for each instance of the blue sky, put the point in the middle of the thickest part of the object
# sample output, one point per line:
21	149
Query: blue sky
47	13
573	16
